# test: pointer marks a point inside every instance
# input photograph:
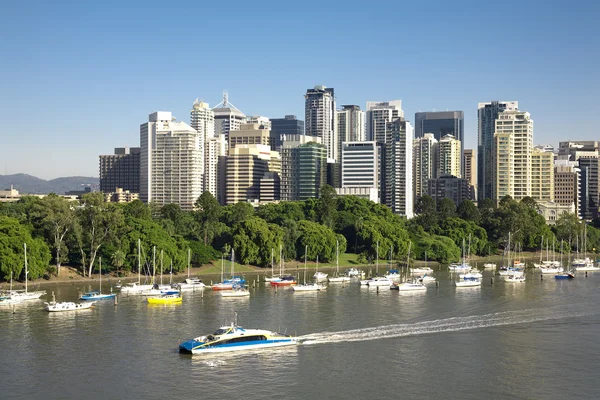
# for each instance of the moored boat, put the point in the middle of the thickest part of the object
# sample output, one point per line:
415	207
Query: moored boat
412	286
471	282
564	275
68	306
165	299
96	295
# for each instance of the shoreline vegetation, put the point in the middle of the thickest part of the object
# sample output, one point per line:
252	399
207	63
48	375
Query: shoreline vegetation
68	241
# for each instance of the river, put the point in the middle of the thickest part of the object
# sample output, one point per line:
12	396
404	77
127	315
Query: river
533	340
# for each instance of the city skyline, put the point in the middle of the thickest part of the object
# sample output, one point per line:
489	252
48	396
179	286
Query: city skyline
74	64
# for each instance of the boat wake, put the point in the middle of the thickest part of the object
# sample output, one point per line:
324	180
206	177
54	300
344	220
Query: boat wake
447	325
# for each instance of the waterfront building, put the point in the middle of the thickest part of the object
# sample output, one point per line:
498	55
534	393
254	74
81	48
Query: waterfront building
120	170
245	166
487	113
567	183
425	159
449	187
513	145
450	155
470	168
289	125
361	165
171	162
378	115
227	118
542	175
319	110
350	122
398	191
303	171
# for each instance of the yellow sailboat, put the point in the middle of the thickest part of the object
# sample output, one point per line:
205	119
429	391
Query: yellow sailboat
165	299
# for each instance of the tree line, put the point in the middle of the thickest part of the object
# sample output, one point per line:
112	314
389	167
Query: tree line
57	231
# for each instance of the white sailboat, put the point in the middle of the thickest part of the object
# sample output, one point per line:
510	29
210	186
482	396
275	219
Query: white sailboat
137	287
238	289
319	276
337	278
190	284
584	264
17	296
307	287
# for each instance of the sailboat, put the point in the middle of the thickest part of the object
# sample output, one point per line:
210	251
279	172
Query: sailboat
380	280
414	284
190	284
17	296
337	277
98	295
319	276
584	264
282	280
137	287
273	276
307	287
548	266
158	290
238	289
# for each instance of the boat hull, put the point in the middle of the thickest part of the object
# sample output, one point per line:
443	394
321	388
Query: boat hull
238	347
158	300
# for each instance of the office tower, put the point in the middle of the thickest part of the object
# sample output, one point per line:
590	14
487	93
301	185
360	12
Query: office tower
448	187
284	126
567	183
487	114
213	162
378	114
512	155
319	110
542	175
361	164
425	155
350	122
398	167
270	187
470	168
589	186
450	156
120	170
250	134
246	165
227	118
202	119
303	171
263	122
171	162
441	124
577	149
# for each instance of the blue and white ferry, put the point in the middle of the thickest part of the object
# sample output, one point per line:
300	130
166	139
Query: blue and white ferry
235	338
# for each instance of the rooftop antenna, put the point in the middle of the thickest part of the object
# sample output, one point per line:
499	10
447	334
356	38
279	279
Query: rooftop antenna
225	99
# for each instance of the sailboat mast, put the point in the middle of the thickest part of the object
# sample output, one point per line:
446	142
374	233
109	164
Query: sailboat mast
100	266
337	257
139	262
153	264
232	257
189	256
26	270
377	259
161	267
271	262
280	260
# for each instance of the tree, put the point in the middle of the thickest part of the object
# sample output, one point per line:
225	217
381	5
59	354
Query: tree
318	240
53	216
118	259
208	211
468	211
137	209
426	210
13	236
253	239
327	205
446	209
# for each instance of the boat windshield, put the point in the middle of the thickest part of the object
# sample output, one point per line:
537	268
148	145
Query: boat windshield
221	331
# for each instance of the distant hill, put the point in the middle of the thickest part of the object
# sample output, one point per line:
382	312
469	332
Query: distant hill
27	184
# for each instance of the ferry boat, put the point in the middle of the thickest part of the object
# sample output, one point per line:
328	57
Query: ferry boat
236	338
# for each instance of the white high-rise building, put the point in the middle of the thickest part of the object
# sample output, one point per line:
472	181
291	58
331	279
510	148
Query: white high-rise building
171	161
260	120
350	121
425	150
202	119
215	148
513	146
398	167
361	168
379	113
227	118
450	156
319	110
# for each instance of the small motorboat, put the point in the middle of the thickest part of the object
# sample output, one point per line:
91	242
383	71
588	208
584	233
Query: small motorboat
489	266
516	278
165	299
413	286
308	287
68	306
286	280
320	276
380	281
564	275
353	272
96	295
190	284
470	282
421	270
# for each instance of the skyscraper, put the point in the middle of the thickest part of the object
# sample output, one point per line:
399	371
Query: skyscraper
264	122
470	168
425	160
567	183
542	175
171	161
449	156
513	145
215	150
289	125
361	168
202	119
250	134
441	123
350	122
227	118
120	170
487	114
303	171
398	167
319	110
378	114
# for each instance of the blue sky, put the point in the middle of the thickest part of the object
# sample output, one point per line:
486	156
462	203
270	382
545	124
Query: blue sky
77	78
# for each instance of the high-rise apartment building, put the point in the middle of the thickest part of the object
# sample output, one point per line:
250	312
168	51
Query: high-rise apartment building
303	171
567	183
319	110
470	168
441	124
542	175
227	118
425	160
202	119
289	125
120	170
263	122
171	162
215	150
250	134
512	155
361	167
448	187
378	115
246	165
398	167
450	156
487	114
589	185
350	122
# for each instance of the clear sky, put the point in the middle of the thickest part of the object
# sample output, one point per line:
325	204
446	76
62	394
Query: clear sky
77	78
